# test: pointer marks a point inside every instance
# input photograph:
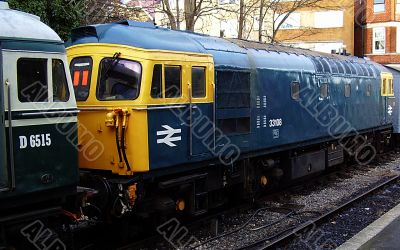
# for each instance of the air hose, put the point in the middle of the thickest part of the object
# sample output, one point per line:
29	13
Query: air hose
123	148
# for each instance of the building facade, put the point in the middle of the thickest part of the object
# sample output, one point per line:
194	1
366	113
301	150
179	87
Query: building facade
325	26
377	30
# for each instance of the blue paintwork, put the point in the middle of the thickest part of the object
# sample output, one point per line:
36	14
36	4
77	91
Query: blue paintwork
273	69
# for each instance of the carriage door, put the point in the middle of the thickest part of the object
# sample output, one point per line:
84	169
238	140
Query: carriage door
201	111
4	173
387	93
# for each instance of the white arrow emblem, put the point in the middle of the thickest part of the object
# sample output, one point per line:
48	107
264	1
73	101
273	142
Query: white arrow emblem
169	138
390	110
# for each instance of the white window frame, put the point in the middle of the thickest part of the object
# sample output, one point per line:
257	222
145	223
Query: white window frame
374	40
379	10
397	6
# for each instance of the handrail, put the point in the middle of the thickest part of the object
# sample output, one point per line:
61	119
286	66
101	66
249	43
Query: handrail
10	136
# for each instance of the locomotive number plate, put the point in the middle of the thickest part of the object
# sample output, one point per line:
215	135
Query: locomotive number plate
35	141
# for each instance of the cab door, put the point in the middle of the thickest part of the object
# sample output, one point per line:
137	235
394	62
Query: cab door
202	124
4	178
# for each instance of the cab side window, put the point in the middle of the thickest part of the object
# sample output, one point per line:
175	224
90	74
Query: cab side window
173	83
32	80
198	82
172	78
60	84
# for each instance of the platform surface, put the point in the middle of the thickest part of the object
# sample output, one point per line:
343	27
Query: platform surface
384	233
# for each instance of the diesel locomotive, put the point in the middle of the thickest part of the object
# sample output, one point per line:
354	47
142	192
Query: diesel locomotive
168	122
188	120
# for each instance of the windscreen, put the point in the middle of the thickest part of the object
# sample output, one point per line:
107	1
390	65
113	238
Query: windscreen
119	79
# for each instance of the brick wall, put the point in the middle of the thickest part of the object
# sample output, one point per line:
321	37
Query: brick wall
386	16
385	59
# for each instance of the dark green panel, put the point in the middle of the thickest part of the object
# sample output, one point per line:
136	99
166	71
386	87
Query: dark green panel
49	166
31	45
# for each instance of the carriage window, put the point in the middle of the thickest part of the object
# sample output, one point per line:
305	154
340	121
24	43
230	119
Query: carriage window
60	84
156	85
32	80
81	73
173	83
347	90
118	79
369	89
324	90
198	82
295	90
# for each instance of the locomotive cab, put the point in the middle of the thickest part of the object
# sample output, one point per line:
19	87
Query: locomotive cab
130	102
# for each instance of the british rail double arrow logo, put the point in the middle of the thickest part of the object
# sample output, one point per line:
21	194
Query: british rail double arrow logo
169	136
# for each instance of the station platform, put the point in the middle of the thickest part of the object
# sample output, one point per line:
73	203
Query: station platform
384	233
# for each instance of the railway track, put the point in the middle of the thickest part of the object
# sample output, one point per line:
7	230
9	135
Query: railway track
280	237
304	219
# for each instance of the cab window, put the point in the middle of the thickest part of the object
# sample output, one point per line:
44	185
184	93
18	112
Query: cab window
172	80
118	79
32	80
156	85
60	84
198	82
173	85
81	70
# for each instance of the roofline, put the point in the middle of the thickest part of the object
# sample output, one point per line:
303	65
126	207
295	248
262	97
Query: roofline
140	49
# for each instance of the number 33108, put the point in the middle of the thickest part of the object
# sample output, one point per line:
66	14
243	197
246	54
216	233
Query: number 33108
275	123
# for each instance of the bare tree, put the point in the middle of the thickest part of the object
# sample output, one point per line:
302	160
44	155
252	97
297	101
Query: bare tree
279	11
192	11
106	11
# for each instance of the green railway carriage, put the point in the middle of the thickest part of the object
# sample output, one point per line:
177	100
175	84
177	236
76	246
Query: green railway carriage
38	154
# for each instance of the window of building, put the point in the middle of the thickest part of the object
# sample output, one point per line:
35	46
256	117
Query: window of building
256	23
295	90
156	85
118	79
81	71
379	6
379	41
198	82
397	6
347	90
324	90
228	1
328	19
173	81
229	27
32	80
60	84
289	21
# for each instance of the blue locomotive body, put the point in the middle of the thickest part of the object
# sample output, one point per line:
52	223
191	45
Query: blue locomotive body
276	112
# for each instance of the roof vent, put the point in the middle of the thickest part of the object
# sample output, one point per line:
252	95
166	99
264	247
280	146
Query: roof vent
81	32
4	5
131	23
